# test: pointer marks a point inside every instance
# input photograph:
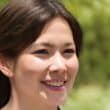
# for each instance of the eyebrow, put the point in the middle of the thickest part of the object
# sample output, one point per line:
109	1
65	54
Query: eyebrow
48	44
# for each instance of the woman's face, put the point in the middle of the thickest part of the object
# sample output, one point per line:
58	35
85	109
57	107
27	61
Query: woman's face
46	70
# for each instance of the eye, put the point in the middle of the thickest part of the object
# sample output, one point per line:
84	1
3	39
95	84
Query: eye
41	51
69	51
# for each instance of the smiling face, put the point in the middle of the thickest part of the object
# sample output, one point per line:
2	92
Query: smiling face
46	70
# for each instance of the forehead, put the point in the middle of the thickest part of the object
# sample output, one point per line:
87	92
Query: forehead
56	31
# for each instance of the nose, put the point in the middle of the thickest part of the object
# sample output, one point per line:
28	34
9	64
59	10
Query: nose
58	64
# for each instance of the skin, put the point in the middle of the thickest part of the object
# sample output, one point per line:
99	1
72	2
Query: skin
51	58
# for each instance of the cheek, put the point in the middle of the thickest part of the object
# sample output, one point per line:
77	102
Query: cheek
73	66
32	65
28	71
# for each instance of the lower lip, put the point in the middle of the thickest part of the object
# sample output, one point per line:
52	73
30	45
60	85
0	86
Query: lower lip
55	88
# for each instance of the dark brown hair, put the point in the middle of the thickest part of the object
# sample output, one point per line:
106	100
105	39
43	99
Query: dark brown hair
21	24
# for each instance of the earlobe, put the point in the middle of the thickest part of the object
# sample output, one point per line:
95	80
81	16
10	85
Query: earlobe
5	67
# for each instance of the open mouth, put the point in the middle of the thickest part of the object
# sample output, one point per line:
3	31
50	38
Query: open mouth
54	84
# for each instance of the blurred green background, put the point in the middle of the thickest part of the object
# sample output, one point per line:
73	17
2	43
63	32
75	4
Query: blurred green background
92	87
94	17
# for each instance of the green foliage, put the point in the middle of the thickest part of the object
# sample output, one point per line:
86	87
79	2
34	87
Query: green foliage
94	17
3	2
88	98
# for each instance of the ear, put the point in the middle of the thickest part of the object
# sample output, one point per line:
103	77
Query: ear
6	66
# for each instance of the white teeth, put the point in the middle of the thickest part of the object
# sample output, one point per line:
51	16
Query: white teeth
58	83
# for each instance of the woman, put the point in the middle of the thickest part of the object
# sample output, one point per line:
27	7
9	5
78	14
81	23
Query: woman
40	43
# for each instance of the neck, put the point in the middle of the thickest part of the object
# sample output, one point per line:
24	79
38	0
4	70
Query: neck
26	103
16	105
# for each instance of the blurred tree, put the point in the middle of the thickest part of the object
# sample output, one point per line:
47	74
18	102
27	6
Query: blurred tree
94	17
3	2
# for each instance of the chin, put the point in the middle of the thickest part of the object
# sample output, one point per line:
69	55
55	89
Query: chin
55	101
